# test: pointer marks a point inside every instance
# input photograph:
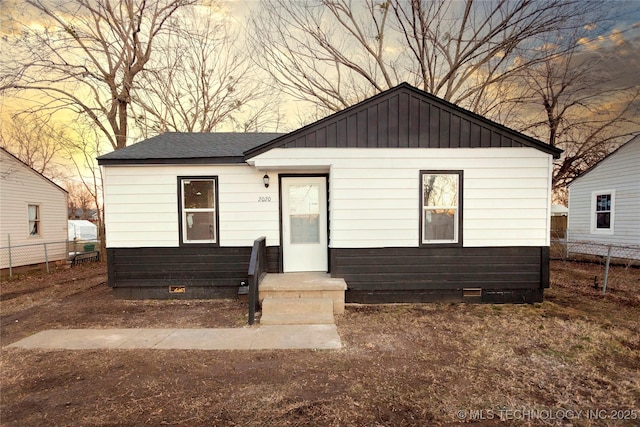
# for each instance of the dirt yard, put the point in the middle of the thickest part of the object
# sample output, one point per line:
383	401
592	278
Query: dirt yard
572	360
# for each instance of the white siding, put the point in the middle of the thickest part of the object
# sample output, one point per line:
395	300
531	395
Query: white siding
374	193
373	202
21	186
619	172
141	205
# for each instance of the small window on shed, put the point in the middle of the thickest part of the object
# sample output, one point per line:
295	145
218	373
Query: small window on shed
34	220
602	211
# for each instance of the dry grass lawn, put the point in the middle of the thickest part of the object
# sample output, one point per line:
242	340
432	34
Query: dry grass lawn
401	365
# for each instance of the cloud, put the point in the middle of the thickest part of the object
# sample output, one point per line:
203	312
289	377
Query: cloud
616	37
621	48
627	36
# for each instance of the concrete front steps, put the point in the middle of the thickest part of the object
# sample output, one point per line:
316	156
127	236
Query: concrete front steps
301	298
297	311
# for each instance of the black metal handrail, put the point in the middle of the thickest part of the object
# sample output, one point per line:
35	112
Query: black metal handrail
257	270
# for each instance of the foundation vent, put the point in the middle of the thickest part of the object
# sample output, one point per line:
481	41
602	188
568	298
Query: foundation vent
472	293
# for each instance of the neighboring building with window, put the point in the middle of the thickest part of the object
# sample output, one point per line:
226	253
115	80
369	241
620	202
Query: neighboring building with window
33	211
604	203
405	196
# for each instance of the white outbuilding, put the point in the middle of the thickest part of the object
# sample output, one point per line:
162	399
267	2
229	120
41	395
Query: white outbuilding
82	230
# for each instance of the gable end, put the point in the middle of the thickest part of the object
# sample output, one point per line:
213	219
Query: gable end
634	140
404	117
29	168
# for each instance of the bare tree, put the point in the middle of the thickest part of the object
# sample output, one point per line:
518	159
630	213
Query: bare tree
80	198
522	63
257	117
335	52
578	102
83	150
37	142
313	51
200	80
461	51
88	57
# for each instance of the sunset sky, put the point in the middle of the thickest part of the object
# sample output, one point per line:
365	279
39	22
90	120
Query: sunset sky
623	32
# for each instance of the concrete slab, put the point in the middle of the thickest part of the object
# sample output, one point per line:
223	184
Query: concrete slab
298	281
295	319
209	339
78	339
322	337
146	338
264	337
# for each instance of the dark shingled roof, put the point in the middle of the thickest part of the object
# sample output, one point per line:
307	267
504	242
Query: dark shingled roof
184	147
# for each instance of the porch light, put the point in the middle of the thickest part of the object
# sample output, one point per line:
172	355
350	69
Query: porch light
265	180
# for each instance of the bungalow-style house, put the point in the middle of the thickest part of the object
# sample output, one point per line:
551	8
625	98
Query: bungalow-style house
33	212
604	204
404	196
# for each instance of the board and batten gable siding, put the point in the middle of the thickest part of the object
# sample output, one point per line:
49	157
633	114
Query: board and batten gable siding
141	205
21	186
374	193
403	117
619	172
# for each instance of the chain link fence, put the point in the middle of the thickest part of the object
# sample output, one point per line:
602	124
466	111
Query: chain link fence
44	254
618	264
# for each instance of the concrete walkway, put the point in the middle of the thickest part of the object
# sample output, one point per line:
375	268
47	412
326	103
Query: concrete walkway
265	337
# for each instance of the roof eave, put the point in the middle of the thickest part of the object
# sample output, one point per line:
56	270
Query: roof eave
173	161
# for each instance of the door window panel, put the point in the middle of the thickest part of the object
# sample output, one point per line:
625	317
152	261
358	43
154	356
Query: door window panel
304	213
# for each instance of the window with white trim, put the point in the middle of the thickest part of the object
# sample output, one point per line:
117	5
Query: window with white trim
602	211
440	206
198	217
34	219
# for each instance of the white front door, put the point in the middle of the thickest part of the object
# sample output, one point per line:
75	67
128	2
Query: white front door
304	224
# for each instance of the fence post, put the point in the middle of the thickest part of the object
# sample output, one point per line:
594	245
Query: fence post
46	257
10	262
606	271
